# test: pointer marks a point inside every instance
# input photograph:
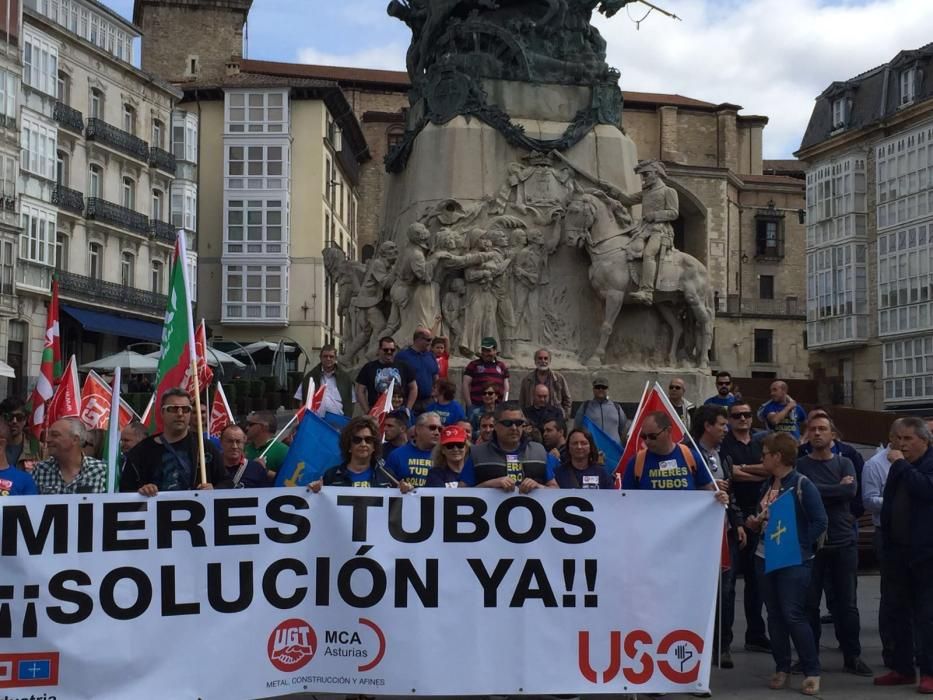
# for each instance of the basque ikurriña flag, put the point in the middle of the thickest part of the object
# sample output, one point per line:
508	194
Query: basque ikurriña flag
782	549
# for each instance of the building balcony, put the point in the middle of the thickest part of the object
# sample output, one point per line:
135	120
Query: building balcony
790	307
68	117
8	122
68	199
100	131
163	160
34	276
162	231
114	215
88	289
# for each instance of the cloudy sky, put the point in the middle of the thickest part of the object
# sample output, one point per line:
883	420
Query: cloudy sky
773	57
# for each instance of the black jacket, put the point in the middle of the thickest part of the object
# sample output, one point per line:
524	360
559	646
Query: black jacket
339	476
911	484
144	464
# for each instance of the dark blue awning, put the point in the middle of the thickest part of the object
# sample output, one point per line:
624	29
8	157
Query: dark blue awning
100	322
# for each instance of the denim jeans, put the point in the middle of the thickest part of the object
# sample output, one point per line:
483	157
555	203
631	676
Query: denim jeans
837	567
755	631
910	589
785	595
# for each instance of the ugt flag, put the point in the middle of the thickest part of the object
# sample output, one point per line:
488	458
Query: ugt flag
314	449
782	549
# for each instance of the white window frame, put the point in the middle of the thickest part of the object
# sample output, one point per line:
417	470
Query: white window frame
840	113
184	205
247	216
97	101
95	181
908	85
9	86
248	166
185	125
256	299
256	111
39	148
95	260
37	241
157	205
128	193
157	276
158	131
127	269
40	62
129	119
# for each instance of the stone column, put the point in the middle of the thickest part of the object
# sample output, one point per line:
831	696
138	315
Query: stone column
667	115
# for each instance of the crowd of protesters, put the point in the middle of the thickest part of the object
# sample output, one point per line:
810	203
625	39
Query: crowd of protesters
431	437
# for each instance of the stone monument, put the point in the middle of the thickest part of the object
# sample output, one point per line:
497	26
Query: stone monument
515	206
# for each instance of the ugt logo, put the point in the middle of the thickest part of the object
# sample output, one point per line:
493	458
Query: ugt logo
677	657
291	645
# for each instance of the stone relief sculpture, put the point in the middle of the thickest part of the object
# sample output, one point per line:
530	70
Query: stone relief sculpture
371	299
414	294
348	276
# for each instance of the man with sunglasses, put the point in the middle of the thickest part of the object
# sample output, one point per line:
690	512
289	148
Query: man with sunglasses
168	461
748	474
18	454
261	428
374	377
663	464
510	460
14	481
676	392
411	462
724	394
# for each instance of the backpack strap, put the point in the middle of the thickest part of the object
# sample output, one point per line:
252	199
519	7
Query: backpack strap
688	457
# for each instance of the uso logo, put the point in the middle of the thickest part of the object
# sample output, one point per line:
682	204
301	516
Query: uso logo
291	645
676	657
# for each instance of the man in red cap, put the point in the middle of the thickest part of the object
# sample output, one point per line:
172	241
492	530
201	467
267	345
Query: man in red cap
449	457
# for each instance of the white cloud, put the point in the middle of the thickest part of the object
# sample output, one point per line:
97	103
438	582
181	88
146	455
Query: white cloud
388	57
773	57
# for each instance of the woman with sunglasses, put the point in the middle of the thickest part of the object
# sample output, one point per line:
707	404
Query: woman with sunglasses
449	458
583	470
362	464
491	399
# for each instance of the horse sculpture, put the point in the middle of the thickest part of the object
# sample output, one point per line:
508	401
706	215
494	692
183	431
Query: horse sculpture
595	221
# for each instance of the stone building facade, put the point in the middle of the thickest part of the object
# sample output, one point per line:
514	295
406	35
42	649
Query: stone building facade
278	171
94	184
868	149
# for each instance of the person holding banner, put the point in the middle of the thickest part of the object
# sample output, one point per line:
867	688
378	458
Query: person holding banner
168	461
509	459
411	462
785	589
243	472
362	464
68	470
450	456
583	471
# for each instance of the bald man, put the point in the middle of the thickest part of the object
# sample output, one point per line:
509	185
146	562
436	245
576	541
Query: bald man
782	414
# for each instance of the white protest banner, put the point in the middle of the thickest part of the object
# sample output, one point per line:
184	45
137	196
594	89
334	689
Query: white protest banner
235	595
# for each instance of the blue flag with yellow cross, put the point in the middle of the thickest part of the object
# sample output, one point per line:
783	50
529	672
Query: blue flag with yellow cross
782	548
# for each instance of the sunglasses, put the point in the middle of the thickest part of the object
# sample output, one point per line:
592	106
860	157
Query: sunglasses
432	428
455	446
360	439
675	386
508	423
388	351
15	416
600	386
723	383
741	414
177	409
652	436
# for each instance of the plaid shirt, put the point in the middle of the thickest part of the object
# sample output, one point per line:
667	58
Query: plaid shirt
92	477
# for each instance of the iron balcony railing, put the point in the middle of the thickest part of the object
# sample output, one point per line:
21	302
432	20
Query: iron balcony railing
162	230
109	213
68	117
123	141
163	160
90	289
68	199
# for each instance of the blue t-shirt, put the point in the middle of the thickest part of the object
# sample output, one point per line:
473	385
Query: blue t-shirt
411	464
16	482
593	477
362	480
444	477
424	365
718	400
450	413
513	467
669	472
791	422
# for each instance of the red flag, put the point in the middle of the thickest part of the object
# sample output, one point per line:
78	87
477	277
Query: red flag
383	406
725	557
318	398
67	398
205	373
654	400
51	368
95	404
221	415
147	411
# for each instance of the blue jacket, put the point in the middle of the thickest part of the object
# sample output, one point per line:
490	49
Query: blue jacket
911	484
812	520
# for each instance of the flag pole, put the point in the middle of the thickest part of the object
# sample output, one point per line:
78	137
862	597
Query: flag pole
192	353
113	434
202	460
279	434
